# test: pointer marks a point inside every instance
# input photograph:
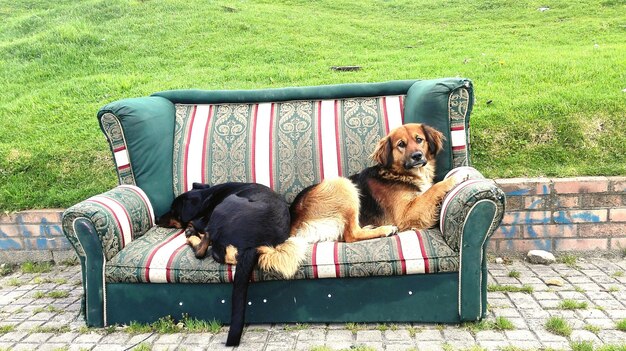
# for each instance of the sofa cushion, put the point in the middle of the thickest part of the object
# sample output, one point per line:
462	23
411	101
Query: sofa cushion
284	145
162	256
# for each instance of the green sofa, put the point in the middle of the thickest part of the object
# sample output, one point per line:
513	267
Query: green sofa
288	139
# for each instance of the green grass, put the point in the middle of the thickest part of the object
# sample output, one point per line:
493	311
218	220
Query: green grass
568	304
6	329
51	294
500	323
510	288
569	260
592	328
554	78
36	267
514	274
621	325
558	326
6	269
167	325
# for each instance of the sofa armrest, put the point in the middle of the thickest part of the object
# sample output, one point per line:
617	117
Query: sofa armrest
117	217
470	214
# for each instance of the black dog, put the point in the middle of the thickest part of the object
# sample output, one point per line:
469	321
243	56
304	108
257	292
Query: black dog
242	221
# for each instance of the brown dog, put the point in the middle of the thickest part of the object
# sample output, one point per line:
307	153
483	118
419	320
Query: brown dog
395	194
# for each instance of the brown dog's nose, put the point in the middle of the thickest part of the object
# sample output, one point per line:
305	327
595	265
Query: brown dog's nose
417	156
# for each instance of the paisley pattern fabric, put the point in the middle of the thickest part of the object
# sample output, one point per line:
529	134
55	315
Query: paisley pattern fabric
459	201
115	135
458	107
286	145
119	216
162	256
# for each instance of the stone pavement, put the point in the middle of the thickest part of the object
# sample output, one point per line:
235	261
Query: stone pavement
42	312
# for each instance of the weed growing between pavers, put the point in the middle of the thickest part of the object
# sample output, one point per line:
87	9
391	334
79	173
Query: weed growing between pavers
514	274
6	329
569	260
354	327
295	327
36	267
558	326
500	323
568	304
6	269
510	288
167	325
592	328
621	325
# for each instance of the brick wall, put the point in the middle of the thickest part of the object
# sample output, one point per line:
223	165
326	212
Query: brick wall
562	214
33	236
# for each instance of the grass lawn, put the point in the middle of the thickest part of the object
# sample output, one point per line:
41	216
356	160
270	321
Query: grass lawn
549	84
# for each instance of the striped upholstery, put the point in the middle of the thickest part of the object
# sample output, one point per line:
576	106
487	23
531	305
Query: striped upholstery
120	216
286	145
112	127
162	256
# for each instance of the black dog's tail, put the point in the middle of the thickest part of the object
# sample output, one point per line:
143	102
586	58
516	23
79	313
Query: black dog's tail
246	260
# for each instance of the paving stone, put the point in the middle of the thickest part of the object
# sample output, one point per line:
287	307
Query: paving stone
429	346
429	335
369	336
520	335
490	335
38	338
457	335
90	338
312	335
399	347
584	335
494	345
339	335
401	335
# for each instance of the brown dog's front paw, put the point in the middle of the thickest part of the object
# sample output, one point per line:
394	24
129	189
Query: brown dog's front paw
390	230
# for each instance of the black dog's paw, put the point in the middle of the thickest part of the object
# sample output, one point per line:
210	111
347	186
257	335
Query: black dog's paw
191	231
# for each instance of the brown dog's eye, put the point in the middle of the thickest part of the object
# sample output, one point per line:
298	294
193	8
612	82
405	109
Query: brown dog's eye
419	140
401	144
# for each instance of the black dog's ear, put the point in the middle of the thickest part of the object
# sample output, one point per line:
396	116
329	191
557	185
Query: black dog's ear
434	138
383	154
200	186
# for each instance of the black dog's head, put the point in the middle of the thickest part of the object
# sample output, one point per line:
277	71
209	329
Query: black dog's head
186	207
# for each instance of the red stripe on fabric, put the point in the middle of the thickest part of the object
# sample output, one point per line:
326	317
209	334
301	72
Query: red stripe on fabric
401	256
255	115
204	144
186	156
385	114
117	220
337	138
319	137
168	267
229	269
461	147
271	148
154	251
123	167
457	128
402	108
314	261
336	259
423	248
120	148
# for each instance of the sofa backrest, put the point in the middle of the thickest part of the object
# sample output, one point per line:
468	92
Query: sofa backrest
286	138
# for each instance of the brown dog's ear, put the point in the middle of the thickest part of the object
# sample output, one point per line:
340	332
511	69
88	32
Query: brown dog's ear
434	138
383	154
